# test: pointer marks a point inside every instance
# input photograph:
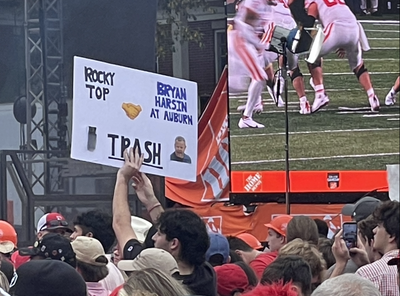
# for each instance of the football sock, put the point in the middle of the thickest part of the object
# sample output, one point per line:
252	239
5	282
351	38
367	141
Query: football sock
255	89
370	92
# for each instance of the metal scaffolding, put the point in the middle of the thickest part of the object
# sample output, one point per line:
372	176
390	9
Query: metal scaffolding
47	129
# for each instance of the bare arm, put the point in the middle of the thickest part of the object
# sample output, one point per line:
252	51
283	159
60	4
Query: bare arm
341	254
120	206
145	193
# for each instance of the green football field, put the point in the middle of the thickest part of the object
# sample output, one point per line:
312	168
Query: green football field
345	135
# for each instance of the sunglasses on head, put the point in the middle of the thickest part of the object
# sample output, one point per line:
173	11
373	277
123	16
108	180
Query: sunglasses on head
54	223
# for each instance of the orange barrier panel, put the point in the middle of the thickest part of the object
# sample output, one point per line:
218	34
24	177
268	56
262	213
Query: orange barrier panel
308	181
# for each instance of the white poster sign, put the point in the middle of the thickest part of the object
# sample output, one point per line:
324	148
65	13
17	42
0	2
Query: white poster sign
115	107
393	173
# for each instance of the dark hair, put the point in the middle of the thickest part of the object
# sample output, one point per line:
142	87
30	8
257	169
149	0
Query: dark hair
388	213
100	225
216	260
302	227
251	276
234	257
190	230
7	268
322	227
148	241
366	227
91	273
325	247
288	269
236	243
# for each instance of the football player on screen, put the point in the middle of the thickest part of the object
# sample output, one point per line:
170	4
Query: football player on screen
344	35
246	46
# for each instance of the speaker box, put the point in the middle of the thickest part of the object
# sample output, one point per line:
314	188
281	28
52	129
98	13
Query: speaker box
12	65
119	32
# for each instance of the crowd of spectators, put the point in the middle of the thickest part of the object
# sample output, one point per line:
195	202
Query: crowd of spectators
175	255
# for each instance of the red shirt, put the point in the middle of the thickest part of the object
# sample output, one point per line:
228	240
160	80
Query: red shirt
261	262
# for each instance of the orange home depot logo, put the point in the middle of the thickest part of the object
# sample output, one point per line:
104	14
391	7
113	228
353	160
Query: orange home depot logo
334	221
253	182
213	223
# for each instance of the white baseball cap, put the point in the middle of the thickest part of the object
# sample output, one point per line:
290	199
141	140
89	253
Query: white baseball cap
141	227
151	258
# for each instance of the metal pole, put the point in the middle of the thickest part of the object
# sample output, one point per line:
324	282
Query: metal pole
3	186
287	169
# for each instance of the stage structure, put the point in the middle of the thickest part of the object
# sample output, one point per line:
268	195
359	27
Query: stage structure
45	88
40	176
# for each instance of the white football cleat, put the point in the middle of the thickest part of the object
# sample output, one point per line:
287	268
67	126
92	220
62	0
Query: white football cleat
374	103
390	99
320	101
305	107
249	123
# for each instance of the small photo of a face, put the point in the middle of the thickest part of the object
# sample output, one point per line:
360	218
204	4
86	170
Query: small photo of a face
180	148
179	151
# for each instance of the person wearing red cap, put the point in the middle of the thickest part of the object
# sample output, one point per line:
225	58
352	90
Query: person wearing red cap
251	240
274	289
8	239
277	232
231	280
256	259
48	223
52	223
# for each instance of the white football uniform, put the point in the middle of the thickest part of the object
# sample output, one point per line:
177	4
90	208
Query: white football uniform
341	30
245	47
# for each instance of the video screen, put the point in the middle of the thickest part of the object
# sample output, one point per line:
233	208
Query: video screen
339	133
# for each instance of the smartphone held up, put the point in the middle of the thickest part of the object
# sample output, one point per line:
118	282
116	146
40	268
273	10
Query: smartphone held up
350	234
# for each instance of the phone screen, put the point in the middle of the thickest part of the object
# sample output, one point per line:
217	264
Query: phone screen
350	234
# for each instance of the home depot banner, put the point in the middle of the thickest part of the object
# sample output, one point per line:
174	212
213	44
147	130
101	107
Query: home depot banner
232	220
212	182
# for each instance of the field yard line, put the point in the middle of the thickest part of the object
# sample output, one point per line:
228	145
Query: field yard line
282	111
386	31
380	38
244	95
319	132
384	48
376	22
380	115
315	158
351	73
293	109
397	119
345	60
